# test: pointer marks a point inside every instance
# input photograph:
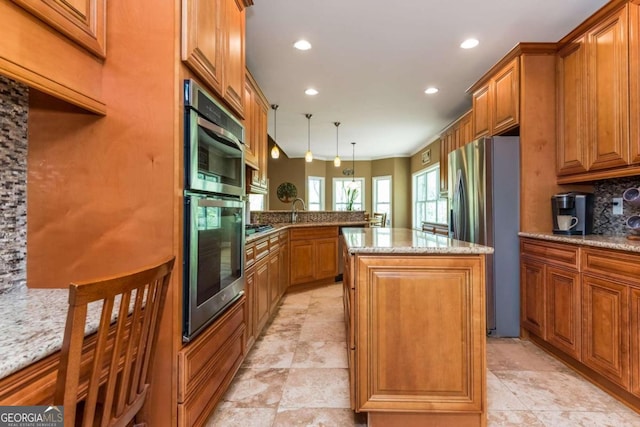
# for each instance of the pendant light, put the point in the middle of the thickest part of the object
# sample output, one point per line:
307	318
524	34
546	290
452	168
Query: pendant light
336	161
275	151
353	184
308	157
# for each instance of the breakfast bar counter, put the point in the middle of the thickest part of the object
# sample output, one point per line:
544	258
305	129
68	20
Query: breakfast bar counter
415	312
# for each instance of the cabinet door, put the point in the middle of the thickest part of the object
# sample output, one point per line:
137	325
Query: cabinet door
572	107
563	310
466	134
634	82
202	41
481	115
532	296
326	258
301	261
234	60
262	294
82	21
608	93
605	339
635	341
506	98
274	280
250	154
250	313
260	124
284	267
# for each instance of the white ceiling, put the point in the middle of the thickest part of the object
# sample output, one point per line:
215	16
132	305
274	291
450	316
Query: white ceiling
372	60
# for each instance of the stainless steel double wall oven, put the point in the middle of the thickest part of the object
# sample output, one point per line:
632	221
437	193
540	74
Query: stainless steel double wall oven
214	207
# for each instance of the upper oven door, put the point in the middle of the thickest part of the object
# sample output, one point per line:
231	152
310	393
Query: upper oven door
214	158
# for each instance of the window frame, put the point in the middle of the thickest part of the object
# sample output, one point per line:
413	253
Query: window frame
417	223
363	188
374	196
323	193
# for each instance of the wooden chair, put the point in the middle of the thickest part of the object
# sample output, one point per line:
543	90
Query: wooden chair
120	373
379	220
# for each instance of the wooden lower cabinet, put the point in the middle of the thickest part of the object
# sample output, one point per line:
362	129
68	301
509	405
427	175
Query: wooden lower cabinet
591	298
532	298
314	254
207	365
263	296
563	321
274	280
635	341
284	262
250	293
606	328
418	327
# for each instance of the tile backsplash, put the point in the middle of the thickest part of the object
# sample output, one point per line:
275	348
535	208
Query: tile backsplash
604	220
14	109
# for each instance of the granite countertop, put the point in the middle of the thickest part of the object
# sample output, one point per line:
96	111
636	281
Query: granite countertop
284	226
620	243
32	325
379	240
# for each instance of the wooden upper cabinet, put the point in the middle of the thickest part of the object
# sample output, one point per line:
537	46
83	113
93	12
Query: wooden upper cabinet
607	99
482	112
234	59
202	40
250	152
572	105
634	82
466	129
84	22
213	46
506	98
496	104
444	165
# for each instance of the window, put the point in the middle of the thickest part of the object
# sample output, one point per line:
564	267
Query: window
428	205
256	202
348	194
315	191
382	196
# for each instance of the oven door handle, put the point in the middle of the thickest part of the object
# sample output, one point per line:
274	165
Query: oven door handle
206	202
219	132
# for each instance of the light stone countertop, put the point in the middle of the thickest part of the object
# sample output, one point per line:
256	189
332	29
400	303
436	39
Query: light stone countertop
32	325
283	226
380	240
620	243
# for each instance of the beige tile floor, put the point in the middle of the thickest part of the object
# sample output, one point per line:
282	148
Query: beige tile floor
296	375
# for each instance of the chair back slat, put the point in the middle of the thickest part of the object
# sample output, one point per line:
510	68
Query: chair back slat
119	373
131	351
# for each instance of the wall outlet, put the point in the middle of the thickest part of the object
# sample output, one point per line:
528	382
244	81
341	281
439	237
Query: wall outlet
617	205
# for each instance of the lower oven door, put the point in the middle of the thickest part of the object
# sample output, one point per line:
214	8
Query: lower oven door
213	257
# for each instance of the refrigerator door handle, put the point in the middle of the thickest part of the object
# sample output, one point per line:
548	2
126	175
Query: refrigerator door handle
460	209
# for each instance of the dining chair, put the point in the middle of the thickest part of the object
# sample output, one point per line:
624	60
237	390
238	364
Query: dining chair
379	220
120	373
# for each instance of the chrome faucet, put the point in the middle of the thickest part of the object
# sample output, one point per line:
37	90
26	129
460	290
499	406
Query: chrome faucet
294	212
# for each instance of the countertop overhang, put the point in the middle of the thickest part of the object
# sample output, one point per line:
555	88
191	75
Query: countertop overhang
620	243
283	226
380	240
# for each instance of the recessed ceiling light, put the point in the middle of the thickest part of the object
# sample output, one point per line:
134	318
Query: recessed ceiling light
469	43
302	45
431	90
311	91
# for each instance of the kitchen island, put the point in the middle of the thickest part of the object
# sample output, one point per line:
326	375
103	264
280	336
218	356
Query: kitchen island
415	313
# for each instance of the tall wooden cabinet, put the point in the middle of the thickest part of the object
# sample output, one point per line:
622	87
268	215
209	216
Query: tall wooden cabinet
453	137
213	46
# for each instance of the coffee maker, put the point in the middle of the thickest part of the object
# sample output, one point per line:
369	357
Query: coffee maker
573	204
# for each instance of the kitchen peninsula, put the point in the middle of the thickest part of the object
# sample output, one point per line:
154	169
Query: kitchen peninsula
415	314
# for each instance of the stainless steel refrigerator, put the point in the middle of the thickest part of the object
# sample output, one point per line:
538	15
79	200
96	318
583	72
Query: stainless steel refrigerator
484	203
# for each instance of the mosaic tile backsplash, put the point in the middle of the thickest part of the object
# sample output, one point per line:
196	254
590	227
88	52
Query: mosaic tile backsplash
14	109
279	217
604	220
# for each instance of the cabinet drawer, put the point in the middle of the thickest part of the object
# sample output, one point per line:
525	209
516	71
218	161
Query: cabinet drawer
551	253
274	242
313	233
612	263
201	359
262	249
249	255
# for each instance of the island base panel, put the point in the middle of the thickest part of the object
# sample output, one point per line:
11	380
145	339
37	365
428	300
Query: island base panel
394	419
